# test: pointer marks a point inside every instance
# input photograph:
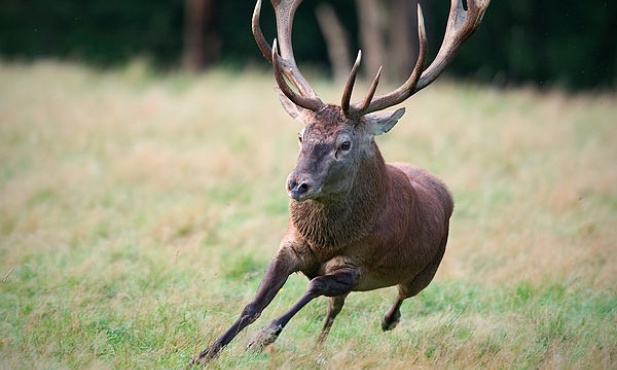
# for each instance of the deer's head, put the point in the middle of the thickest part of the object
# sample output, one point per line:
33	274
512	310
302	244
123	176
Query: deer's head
338	139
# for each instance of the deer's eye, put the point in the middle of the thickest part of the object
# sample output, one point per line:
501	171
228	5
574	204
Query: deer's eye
345	146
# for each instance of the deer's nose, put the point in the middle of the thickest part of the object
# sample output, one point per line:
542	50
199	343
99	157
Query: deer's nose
297	189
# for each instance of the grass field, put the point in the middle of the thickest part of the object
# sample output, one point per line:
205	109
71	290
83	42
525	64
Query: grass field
137	214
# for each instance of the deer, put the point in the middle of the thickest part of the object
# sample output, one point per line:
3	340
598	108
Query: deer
356	222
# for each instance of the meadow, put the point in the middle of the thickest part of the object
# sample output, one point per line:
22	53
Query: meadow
137	213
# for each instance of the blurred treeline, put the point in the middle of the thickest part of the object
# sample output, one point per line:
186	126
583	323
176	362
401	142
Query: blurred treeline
565	43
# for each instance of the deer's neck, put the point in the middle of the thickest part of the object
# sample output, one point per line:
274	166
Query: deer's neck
344	218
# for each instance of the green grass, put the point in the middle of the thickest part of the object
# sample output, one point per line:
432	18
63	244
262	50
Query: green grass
137	214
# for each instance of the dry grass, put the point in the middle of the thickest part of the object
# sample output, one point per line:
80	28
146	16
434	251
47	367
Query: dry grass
137	213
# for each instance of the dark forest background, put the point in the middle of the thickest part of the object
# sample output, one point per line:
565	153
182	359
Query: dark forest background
565	44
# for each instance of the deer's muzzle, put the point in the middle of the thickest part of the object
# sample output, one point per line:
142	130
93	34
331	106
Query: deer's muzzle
299	188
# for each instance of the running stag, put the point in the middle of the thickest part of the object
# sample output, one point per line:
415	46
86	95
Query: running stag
356	222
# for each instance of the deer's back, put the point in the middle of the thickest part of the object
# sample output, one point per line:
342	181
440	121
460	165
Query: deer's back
427	186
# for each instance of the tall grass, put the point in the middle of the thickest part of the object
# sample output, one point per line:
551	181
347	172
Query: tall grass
138	212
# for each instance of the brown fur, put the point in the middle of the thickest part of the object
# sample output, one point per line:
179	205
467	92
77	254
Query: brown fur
356	224
390	225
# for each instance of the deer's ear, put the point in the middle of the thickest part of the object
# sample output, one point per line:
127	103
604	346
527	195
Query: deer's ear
291	108
381	122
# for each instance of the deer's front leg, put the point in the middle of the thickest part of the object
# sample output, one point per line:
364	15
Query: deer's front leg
281	266
335	284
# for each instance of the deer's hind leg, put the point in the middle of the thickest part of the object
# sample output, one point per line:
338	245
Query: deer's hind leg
409	289
335	305
392	317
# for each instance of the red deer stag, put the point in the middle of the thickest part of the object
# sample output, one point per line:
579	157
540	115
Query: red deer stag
356	223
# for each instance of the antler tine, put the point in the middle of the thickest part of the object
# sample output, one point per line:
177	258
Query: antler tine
284	12
346	98
303	101
371	92
357	111
263	45
461	24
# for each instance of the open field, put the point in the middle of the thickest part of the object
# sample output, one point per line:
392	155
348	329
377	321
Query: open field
137	214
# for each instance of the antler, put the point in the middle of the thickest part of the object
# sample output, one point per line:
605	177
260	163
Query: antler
285	63
461	24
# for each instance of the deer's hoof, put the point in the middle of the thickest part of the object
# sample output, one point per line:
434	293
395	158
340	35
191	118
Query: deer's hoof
266	335
204	356
389	322
195	361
